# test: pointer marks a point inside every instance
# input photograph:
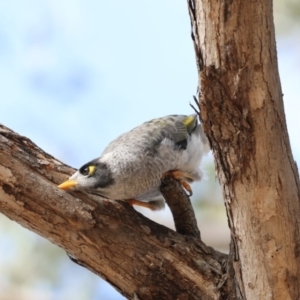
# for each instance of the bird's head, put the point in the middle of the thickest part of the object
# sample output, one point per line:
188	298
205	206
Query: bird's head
94	175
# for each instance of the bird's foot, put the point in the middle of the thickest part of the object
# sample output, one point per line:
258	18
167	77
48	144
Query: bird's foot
183	178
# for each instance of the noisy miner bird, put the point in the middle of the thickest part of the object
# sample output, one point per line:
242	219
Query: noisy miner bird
132	166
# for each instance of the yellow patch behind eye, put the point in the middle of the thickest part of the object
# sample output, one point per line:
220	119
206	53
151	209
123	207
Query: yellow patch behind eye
92	170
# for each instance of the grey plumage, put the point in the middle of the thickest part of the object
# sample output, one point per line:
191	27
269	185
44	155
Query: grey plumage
131	166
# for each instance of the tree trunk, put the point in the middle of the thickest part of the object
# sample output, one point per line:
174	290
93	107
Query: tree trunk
243	116
242	113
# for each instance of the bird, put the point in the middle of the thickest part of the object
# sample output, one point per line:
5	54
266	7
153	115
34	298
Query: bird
133	165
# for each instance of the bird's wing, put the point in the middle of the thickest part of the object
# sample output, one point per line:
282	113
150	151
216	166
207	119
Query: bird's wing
149	135
178	128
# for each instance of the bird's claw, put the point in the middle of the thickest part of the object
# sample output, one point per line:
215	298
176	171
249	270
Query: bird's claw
187	187
181	177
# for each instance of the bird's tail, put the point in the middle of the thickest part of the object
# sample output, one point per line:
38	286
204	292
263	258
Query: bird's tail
157	204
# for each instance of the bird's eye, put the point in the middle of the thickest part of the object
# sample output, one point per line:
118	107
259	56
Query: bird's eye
87	171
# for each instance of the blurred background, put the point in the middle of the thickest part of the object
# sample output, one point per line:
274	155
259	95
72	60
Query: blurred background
76	74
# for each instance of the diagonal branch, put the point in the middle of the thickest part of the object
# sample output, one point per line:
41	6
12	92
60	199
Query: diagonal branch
136	255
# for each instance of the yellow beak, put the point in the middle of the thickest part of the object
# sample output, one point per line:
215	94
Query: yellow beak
67	184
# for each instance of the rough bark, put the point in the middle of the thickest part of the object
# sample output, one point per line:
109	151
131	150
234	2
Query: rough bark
243	116
180	206
139	257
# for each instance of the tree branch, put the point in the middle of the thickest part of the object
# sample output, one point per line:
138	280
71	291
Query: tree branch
136	255
180	206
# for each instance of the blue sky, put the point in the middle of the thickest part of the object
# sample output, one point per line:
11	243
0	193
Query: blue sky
76	74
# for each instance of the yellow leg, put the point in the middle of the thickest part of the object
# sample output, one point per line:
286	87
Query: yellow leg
183	178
